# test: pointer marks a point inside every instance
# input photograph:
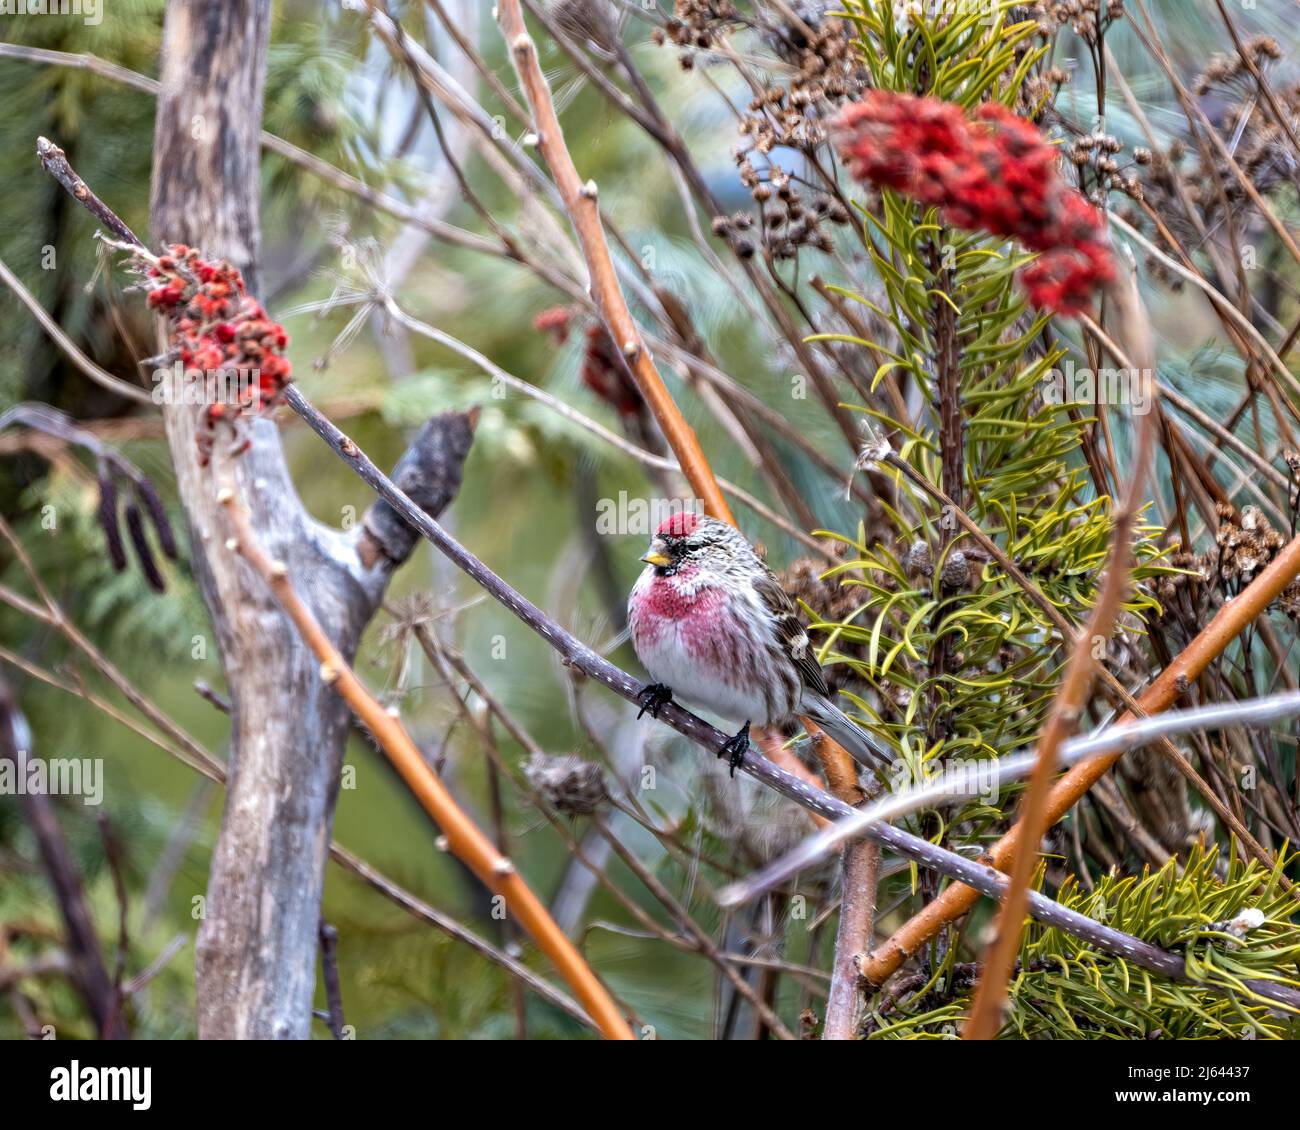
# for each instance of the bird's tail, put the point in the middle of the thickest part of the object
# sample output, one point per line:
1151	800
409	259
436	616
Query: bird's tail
864	748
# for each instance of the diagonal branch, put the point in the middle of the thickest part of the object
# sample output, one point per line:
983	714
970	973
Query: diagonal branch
977	876
960	782
462	835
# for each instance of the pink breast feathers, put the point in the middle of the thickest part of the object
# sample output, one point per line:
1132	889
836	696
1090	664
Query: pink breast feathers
667	606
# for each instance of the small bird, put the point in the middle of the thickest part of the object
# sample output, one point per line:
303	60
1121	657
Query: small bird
715	629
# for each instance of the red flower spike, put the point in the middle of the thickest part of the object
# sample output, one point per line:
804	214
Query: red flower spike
214	326
994	172
606	373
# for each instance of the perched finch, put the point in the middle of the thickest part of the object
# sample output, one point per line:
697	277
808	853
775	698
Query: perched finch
715	629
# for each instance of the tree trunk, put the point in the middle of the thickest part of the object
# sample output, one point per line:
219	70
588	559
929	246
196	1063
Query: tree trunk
256	957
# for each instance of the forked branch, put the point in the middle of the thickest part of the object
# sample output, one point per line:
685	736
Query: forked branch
463	837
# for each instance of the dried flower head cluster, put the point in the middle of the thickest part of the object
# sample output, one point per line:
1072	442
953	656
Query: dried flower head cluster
827	73
220	332
1095	157
1228	71
787	219
785	222
994	172
792	114
1260	147
697	25
1245	544
1088	19
567	782
1211	188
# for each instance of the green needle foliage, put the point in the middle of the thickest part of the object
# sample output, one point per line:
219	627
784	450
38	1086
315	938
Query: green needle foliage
965	662
1064	989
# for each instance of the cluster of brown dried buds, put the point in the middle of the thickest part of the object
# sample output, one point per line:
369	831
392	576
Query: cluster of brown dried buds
1088	19
1226	71
817	49
1244	545
787	220
1261	151
1100	173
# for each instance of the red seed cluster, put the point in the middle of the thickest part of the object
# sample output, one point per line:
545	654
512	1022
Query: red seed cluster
994	172
604	369
554	321
605	372
216	327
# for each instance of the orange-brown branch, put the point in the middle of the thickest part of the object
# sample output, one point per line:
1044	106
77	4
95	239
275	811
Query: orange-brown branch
463	837
580	202
1076	685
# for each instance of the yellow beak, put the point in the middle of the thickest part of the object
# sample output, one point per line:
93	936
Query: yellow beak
657	559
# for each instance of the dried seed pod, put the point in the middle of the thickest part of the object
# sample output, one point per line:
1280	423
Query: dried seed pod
920	559
956	570
143	554
144	488
108	519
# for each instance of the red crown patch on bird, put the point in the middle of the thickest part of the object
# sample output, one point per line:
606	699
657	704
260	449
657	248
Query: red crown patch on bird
680	525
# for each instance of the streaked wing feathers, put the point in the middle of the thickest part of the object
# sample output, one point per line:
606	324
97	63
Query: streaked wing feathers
790	631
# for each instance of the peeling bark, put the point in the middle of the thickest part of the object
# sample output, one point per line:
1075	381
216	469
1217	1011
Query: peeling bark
256	953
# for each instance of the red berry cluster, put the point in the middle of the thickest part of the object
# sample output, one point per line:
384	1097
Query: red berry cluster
994	172
604	370
554	321
606	373
217	328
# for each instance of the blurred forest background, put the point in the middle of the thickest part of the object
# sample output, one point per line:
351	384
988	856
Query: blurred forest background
528	505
